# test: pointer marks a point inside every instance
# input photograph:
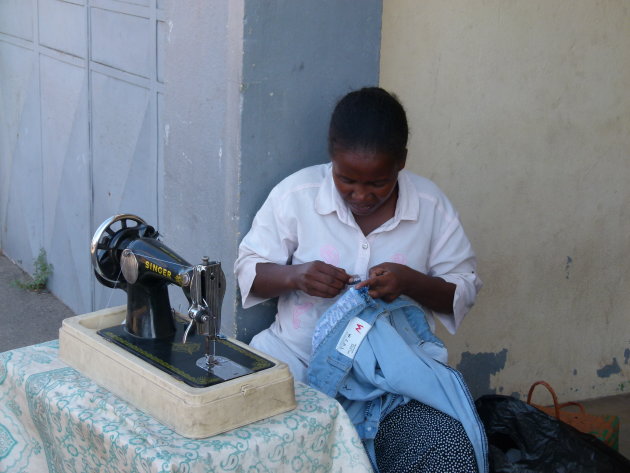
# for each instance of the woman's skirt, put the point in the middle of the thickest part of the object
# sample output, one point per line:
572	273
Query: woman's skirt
418	438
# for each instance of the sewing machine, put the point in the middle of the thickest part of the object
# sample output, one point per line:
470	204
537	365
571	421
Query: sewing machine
127	254
158	349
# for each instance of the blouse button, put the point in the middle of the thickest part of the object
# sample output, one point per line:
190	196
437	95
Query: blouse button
364	246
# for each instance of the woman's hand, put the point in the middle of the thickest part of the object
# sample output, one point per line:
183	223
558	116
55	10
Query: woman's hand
387	281
315	278
320	279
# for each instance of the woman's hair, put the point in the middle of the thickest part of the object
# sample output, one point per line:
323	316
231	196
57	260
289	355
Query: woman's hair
369	119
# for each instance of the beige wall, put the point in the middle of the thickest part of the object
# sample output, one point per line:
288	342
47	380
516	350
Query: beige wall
520	111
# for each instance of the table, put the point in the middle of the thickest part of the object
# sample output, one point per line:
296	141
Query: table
54	419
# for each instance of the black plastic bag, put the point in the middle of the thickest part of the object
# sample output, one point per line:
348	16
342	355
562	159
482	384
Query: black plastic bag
523	439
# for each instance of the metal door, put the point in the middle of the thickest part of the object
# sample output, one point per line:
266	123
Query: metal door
80	94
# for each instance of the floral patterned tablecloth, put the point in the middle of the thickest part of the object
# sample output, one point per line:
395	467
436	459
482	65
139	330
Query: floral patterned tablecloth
54	419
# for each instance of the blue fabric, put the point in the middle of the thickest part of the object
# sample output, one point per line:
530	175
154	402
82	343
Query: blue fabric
393	363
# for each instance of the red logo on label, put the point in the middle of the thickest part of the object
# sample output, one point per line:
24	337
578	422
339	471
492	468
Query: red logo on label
358	328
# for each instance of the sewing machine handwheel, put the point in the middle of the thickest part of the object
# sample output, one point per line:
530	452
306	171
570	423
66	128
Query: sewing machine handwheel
106	264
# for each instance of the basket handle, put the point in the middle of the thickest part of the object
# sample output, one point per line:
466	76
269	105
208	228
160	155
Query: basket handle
571	403
553	395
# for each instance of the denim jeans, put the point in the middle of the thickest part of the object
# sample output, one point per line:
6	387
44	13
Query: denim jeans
373	356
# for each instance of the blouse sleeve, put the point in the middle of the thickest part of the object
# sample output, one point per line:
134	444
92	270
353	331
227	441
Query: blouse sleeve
271	239
452	259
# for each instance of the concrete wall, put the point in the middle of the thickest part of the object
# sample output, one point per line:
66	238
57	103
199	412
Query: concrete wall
520	111
199	184
247	99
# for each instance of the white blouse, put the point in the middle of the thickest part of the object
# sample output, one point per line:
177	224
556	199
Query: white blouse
305	219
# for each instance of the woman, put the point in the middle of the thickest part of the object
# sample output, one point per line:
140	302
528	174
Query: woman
360	216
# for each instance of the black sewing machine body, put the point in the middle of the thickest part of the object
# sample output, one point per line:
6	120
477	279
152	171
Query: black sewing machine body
127	254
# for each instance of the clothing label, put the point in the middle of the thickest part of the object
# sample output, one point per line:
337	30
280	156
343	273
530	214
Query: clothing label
353	335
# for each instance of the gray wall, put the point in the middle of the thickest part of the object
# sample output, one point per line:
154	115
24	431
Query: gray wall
186	116
299	58
201	130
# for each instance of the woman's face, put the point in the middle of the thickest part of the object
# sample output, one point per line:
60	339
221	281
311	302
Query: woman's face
366	180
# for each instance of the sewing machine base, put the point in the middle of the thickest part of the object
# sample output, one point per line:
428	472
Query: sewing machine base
193	412
181	360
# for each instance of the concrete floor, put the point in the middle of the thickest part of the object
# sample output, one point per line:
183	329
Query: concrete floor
27	318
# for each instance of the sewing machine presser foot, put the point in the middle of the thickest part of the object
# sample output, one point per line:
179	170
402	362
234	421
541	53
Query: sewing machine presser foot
222	367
